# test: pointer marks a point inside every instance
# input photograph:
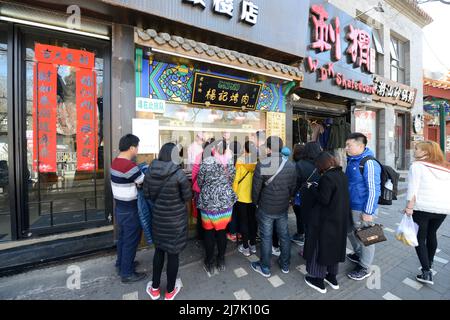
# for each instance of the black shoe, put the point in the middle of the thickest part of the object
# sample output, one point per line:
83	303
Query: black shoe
353	257
425	277
316	284
221	264
135	277
135	265
332	281
359	273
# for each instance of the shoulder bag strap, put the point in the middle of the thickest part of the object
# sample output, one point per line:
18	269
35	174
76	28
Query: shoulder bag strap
276	173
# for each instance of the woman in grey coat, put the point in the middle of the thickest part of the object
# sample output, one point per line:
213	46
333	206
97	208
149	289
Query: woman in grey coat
216	201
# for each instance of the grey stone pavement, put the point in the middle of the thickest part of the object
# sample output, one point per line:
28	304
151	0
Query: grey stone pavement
395	268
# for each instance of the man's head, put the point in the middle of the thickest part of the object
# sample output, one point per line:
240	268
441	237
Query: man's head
356	144
274	144
128	145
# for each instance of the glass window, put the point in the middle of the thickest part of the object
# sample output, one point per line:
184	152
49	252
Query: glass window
377	41
68	195
5	213
181	123
397	60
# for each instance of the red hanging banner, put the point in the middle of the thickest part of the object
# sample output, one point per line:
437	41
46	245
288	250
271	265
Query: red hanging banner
44	118
63	56
86	120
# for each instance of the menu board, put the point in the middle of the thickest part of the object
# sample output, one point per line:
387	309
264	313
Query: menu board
276	125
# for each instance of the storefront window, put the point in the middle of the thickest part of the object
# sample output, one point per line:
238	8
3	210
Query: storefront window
366	123
5	214
73	191
180	123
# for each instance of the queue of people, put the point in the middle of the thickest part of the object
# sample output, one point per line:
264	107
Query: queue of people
258	185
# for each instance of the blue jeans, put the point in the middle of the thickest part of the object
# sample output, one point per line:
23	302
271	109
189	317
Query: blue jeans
265	222
129	234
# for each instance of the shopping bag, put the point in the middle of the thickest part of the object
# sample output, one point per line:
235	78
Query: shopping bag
407	231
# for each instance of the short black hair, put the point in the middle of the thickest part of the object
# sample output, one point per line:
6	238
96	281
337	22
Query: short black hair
358	136
249	147
312	150
273	141
299	152
165	154
128	141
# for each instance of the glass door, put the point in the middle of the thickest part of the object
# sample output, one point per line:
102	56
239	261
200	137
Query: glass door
400	141
5	165
62	108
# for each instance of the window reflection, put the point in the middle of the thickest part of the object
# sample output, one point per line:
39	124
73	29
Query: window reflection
5	214
68	195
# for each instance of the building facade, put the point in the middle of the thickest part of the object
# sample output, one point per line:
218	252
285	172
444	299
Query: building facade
77	75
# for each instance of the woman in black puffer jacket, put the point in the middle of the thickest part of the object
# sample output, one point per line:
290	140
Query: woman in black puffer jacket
169	190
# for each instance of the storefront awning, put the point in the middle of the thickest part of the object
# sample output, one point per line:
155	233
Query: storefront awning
187	48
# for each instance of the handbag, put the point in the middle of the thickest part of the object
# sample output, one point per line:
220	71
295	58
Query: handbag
371	234
297	199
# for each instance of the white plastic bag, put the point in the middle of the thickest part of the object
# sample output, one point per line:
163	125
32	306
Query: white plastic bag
407	231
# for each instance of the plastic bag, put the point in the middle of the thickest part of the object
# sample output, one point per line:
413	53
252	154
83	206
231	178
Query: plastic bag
407	231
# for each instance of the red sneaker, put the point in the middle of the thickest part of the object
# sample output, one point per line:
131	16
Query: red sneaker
155	294
175	291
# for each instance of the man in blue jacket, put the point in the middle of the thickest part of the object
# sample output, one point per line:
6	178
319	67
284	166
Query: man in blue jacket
365	189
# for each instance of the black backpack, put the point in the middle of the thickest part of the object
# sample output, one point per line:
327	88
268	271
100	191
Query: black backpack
387	173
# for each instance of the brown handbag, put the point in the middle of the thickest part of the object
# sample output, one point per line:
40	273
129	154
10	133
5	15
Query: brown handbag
370	235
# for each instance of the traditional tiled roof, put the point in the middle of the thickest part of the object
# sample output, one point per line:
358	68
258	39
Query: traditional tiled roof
440	84
195	49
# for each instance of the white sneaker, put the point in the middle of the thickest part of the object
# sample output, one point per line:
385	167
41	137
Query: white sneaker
244	251
253	249
276	251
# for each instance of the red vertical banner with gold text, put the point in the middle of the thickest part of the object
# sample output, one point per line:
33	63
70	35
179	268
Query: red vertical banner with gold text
44	118
86	120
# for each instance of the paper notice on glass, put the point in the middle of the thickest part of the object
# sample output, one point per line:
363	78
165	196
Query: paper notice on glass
147	131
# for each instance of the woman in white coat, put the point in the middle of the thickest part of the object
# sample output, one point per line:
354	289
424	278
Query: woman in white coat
428	201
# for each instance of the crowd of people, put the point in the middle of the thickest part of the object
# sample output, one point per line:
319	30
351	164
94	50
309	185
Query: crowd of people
245	196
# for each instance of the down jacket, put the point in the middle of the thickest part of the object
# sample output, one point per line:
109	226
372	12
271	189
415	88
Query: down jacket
168	188
274	198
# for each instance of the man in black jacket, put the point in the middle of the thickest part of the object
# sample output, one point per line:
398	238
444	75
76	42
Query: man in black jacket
274	183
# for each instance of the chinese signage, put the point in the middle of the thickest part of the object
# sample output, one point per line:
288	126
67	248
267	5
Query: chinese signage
44	120
366	123
68	57
211	90
340	51
150	105
276	124
46	104
148	133
393	92
86	120
249	10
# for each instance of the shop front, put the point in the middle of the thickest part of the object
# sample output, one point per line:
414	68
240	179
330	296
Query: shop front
189	99
52	139
338	66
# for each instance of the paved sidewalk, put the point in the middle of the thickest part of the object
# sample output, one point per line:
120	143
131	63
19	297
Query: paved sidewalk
395	269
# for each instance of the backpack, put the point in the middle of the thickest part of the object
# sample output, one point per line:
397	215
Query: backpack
389	181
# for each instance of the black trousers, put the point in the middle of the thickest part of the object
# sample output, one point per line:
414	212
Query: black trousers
172	269
428	223
300	224
210	239
246	213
